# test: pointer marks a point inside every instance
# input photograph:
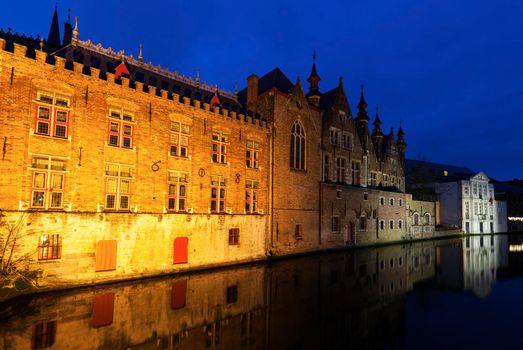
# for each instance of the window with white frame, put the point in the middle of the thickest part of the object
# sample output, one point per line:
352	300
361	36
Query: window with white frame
297	146
400	224
355	172
48	182
334	135
466	190
220	142
121	128
400	202
52	114
218	194
118	179
382	201
251	196
177	186
179	135
382	224
340	169
252	154
391	224
391	201
467	210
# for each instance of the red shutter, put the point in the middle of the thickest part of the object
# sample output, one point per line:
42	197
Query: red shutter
178	294
180	250
106	255
103	309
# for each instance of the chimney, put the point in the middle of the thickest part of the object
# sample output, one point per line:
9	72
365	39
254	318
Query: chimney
252	91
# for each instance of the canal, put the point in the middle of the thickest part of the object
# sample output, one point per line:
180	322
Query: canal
445	294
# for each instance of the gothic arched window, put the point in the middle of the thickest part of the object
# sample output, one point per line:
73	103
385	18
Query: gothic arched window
297	156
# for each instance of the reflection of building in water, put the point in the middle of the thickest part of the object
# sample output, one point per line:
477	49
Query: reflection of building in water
354	299
471	264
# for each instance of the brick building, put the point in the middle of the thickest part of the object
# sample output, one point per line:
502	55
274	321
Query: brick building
122	169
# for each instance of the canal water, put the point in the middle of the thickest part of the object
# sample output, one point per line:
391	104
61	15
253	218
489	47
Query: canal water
446	294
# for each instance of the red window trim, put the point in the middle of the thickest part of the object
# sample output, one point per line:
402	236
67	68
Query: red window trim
177	196
218	199
47	189
120	134
118	194
52	122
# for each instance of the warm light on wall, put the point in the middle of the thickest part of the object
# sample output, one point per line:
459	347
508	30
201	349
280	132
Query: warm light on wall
515	248
515	218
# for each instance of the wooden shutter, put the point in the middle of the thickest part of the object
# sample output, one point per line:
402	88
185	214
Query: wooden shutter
103	309
178	294
180	250
106	255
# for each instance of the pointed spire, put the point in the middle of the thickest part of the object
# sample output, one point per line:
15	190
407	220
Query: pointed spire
54	31
401	137
140	56
314	78
362	107
377	132
198	77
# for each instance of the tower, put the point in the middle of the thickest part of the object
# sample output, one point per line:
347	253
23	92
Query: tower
314	91
377	135
401	144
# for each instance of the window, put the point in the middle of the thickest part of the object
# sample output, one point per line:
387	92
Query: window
177	183
382	224
326	167
340	170
117	186
251	196
385	180
363	223
234	236
400	224
298	147
252	154
106	255
335	224
48	182
391	224
416	219
355	167
427	219
297	231
219	148
382	201
49	247
475	188
373	179
476	208
181	251
334	135
120	128
466	190
218	187
467	210
52	115
44	335
347	140
232	294
179	139
391	201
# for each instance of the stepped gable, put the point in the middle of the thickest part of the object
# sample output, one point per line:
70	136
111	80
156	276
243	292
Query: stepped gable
107	60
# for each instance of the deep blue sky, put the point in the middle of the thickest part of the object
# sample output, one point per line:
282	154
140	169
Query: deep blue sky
451	70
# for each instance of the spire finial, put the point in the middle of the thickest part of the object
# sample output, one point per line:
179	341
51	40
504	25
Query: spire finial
198	77
314	56
140	56
75	31
236	87
377	109
340	79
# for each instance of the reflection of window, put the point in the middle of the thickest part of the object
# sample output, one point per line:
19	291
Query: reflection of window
252	154
219	148
120	128
49	247
177	183
117	186
48	182
179	139
52	115
232	294
298	151
218	187
251	196
44	335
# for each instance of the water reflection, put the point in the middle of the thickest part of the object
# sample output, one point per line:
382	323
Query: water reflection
355	299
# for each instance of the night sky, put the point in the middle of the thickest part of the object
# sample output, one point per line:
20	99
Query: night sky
451	71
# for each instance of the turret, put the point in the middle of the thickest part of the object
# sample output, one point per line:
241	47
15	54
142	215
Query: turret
314	90
377	134
362	120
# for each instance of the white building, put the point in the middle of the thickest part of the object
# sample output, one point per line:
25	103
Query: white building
469	203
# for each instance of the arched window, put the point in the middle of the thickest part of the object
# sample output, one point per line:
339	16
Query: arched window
427	219
297	156
416	219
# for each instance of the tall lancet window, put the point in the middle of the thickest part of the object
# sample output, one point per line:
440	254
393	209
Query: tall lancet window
298	148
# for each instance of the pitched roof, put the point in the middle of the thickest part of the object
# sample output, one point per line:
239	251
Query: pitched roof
438	172
328	98
273	79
